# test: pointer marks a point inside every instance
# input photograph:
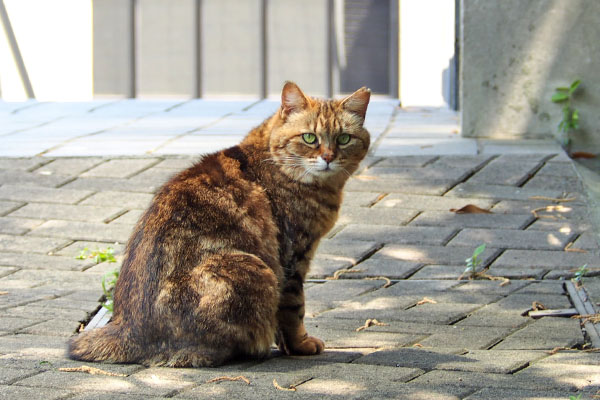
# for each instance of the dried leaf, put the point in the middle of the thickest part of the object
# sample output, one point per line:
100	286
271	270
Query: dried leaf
371	322
336	274
229	378
536	306
426	300
3	293
90	370
418	345
569	249
470	209
292	388
582	154
387	280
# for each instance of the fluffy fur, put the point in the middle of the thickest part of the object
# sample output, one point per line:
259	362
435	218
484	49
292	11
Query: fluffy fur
215	267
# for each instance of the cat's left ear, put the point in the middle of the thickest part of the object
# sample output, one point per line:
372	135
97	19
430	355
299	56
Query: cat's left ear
357	102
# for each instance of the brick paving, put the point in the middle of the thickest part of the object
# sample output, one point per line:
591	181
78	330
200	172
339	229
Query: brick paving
440	337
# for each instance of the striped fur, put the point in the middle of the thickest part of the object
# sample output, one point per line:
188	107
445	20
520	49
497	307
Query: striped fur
215	267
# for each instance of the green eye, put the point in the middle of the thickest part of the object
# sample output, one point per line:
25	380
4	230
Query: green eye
344	138
309	138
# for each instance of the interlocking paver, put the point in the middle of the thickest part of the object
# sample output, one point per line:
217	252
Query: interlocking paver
500	192
114	184
120	168
138	201
513	239
395	234
489	221
16	176
79	230
442	255
429	203
45	211
364	215
18	226
42	194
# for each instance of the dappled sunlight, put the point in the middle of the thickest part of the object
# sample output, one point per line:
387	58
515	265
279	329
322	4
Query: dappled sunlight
565	229
332	386
404	253
105	384
553	240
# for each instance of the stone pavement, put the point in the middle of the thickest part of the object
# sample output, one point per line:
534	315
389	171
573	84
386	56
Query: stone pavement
79	175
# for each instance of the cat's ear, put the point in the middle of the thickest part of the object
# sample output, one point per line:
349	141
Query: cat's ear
357	102
292	99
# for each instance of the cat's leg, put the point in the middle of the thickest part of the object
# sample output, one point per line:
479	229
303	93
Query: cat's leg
292	337
224	307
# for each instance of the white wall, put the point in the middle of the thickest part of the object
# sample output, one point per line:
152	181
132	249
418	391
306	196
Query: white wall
426	48
55	39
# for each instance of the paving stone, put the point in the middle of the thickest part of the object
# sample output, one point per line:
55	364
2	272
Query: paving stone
551	183
43	347
558	169
28	244
121	168
78	230
113	396
511	394
393	186
544	334
499	362
566	211
406	161
353	251
557	375
545	287
432	203
414	174
474	162
467	337
393	269
52	327
8	206
25	164
490	287
455	271
395	234
23	178
352	339
566	226
325	266
333	292
505	172
113	184
11	324
512	239
44	261
42	194
58	279
575	357
68	166
499	192
21	392
176	163
490	221
586	241
546	259
433	254
18	226
427	313
361	199
73	250
131	217
138	201
66	212
375	216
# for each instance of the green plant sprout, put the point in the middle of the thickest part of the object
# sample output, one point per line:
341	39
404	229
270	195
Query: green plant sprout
570	115
572	397
579	274
98	255
108	286
474	261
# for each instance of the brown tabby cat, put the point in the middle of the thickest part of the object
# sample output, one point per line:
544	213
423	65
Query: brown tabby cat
214	268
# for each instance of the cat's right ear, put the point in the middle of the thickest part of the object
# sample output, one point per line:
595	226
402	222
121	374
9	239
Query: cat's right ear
292	99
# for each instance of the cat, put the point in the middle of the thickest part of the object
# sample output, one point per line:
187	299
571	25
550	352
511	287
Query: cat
215	267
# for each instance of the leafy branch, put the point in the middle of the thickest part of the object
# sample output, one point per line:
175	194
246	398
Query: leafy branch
570	115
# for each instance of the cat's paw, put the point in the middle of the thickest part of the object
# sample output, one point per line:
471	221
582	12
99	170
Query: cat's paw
308	346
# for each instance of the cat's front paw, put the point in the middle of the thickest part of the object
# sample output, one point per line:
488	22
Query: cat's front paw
308	346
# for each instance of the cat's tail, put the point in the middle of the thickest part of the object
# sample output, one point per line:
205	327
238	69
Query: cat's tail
108	343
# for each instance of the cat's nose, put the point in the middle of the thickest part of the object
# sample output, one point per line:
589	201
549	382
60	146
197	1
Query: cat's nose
327	156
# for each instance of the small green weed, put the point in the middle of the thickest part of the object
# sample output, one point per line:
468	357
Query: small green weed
474	261
98	255
570	118
108	285
579	274
578	397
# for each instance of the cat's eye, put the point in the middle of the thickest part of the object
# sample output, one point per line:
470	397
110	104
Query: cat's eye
344	138
309	138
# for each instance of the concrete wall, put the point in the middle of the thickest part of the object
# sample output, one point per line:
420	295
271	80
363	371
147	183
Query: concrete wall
514	53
